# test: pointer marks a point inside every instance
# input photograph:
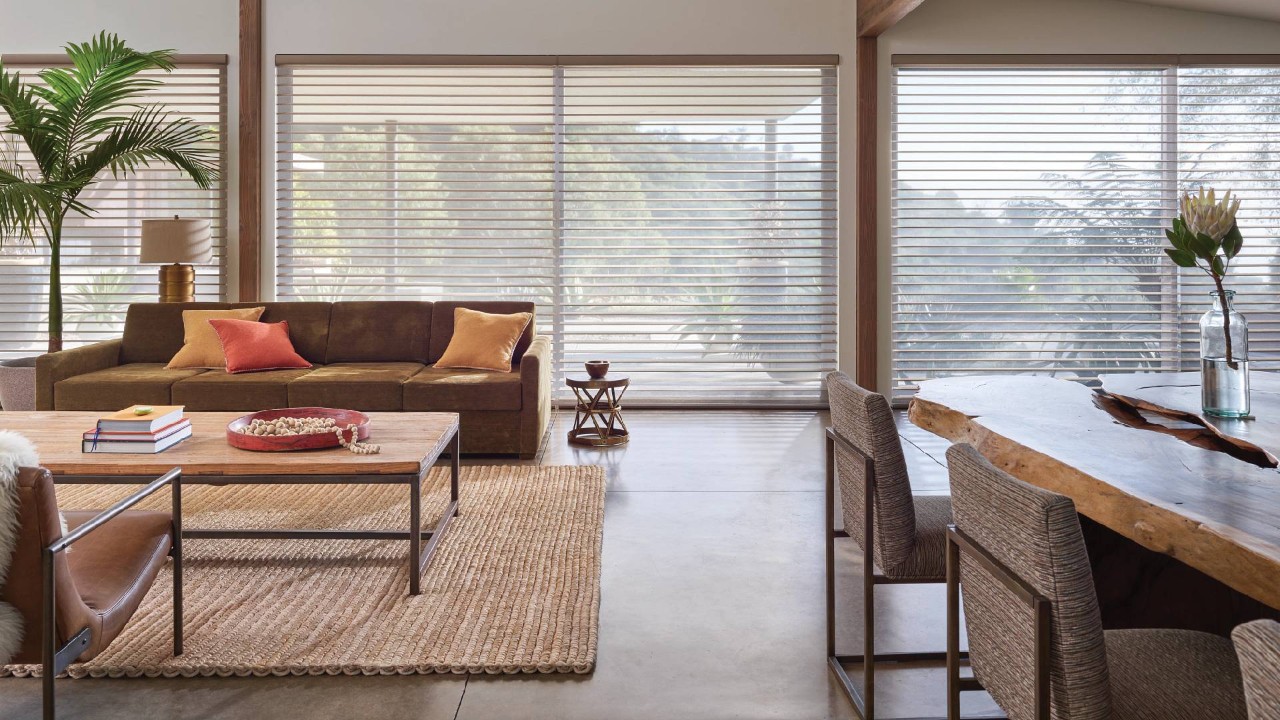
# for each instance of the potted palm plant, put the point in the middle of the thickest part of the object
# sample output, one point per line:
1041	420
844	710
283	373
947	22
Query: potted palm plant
78	124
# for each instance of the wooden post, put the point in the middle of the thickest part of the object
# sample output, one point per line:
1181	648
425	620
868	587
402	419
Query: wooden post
250	150
874	17
866	285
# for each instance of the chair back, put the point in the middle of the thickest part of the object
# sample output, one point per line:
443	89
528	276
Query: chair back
39	525
1035	535
864	419
1258	647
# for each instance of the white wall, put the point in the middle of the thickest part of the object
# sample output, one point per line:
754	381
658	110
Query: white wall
1040	26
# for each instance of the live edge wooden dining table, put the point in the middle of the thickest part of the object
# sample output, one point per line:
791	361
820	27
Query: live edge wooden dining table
1181	513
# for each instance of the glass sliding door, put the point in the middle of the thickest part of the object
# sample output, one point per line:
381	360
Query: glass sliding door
678	221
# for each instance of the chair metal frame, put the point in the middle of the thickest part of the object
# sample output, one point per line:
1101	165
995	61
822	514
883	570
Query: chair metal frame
958	543
863	700
56	659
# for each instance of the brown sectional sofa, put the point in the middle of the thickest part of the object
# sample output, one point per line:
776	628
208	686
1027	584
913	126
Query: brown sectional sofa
371	356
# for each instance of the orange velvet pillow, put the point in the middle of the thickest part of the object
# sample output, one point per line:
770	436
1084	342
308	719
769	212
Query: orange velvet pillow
483	341
251	346
200	345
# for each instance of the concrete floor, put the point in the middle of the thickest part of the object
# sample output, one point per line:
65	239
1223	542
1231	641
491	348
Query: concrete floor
711	601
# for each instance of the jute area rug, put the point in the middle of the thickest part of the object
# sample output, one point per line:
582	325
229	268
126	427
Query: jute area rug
513	588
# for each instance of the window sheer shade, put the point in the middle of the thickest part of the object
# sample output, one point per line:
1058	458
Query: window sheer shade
1029	207
678	221
100	270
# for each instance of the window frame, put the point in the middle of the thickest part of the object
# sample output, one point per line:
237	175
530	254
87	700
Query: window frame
560	64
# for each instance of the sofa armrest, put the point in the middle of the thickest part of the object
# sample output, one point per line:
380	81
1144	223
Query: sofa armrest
53	368
535	389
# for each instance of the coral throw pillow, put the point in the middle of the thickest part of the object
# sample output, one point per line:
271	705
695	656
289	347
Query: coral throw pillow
483	341
251	346
201	347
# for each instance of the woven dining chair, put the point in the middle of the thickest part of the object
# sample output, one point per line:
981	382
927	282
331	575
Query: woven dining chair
1258	646
902	536
1036	643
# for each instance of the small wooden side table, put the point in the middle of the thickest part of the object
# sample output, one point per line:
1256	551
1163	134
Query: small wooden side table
597	420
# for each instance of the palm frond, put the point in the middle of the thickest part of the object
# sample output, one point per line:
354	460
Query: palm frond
27	118
25	205
150	136
89	98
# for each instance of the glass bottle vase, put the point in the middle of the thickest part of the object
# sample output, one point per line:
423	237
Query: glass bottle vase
1224	384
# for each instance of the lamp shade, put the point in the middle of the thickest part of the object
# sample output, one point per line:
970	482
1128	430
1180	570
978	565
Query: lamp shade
176	240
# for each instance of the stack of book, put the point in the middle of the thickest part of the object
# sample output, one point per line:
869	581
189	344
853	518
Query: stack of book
138	429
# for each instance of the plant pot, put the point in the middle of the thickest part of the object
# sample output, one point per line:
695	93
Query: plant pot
18	384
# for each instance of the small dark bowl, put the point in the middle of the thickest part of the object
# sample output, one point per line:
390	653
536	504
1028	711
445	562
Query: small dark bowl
597	368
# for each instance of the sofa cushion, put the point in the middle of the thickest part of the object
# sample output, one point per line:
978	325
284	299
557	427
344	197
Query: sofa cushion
353	386
153	332
451	390
257	346
442	314
220	391
379	331
484	341
201	347
308	325
119	387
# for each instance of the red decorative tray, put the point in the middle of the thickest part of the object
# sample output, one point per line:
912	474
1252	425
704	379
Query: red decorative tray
278	443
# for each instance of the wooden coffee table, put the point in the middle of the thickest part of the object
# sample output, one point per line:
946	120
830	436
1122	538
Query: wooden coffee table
411	445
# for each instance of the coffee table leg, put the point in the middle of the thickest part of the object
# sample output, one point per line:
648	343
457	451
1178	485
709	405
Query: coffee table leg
455	459
415	535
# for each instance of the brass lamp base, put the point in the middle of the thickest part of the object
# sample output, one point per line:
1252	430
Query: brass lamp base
177	283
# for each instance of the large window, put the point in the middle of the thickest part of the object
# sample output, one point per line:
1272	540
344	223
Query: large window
679	221
100	270
1029	207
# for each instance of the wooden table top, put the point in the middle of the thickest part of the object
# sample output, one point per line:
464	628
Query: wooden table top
1181	391
1210	510
410	442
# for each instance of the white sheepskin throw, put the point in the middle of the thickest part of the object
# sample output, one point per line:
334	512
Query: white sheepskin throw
15	451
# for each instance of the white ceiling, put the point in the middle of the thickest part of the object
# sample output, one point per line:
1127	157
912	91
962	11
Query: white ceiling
1260	9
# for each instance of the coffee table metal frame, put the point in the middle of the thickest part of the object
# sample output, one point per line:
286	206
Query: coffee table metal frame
419	556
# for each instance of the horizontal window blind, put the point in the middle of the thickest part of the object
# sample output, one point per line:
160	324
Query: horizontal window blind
679	221
1228	123
1029	207
699	229
100	270
415	183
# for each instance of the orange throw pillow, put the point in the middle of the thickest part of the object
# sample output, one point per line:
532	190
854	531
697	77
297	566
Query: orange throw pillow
252	346
201	348
483	341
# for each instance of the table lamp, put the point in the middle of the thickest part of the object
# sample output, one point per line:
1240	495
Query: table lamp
176	243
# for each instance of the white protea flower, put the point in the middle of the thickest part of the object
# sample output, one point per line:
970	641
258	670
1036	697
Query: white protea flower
1203	213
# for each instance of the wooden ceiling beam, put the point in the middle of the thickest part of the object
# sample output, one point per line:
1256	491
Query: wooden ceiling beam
876	16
